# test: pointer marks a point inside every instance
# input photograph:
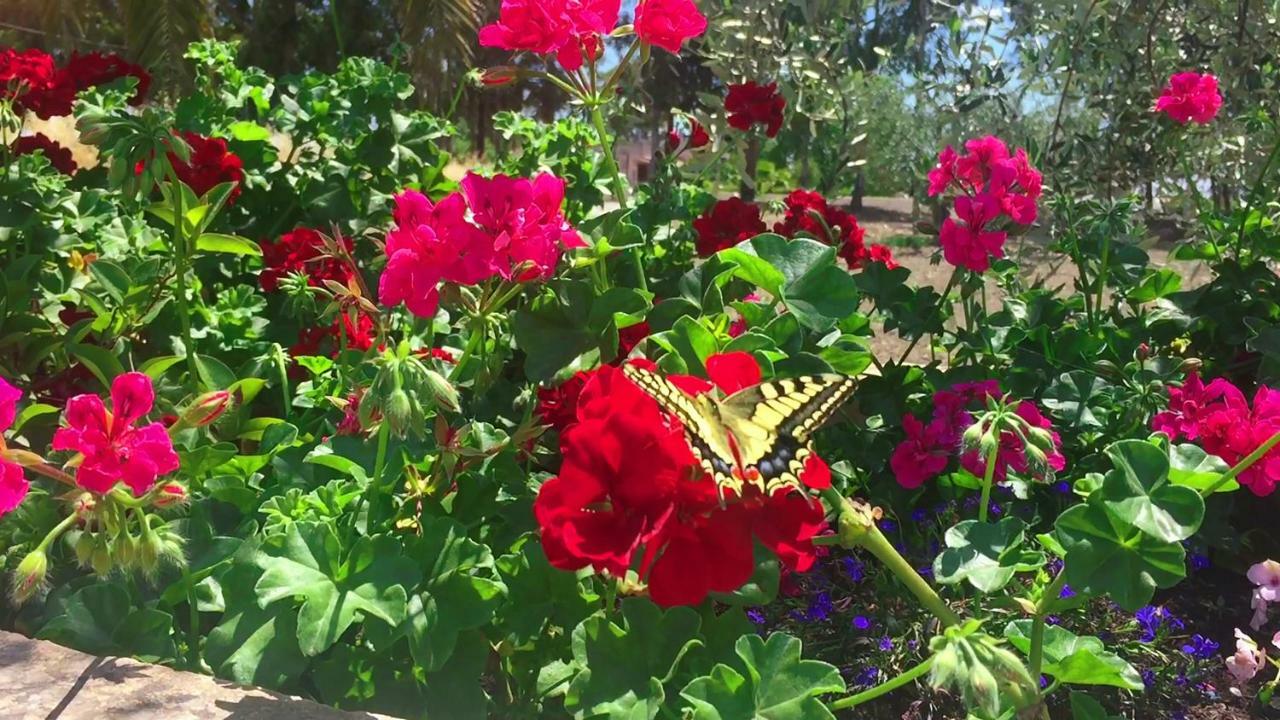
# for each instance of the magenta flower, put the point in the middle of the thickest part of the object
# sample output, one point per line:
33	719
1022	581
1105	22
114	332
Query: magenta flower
1190	97
517	231
13	483
1012	452
984	156
1190	404
971	245
944	173
569	29
922	455
668	23
113	449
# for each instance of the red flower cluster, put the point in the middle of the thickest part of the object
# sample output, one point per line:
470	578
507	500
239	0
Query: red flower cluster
302	251
512	228
31	79
809	213
751	104
1190	97
696	138
325	340
57	155
211	164
631	495
929	447
725	224
1220	418
668	23
990	183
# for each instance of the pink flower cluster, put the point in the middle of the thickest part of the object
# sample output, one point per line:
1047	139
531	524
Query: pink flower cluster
572	30
516	230
13	483
989	183
930	446
1190	97
114	449
1224	423
1266	578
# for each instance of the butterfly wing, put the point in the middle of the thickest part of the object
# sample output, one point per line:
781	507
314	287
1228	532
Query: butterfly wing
772	423
700	417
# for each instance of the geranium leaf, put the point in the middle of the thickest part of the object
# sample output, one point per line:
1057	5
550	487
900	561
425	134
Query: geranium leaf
1075	659
778	685
254	645
985	554
1191	466
1138	491
1108	556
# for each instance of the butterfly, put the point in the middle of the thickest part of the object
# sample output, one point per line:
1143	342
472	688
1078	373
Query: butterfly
758	435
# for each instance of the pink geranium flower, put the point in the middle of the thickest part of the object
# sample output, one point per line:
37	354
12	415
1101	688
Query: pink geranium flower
516	231
1247	660
944	173
13	483
922	455
668	23
1266	575
971	244
1190	97
114	449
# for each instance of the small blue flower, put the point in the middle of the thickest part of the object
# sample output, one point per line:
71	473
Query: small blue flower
1044	682
919	516
756	616
1149	620
888	525
1062	487
886	644
1201	647
820	607
995	509
926	571
868	677
1148	677
1067	592
912	645
860	622
1053	620
1199	562
854	568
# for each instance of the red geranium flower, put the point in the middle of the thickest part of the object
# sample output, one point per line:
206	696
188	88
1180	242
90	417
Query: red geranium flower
1190	97
87	70
753	104
302	250
807	212
558	406
631	336
211	164
631	495
725	224
57	155
696	138
25	77
325	339
668	23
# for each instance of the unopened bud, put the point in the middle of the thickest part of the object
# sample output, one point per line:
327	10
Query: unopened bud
30	576
971	437
101	560
1040	438
171	495
204	411
25	458
399	409
498	76
1142	353
443	391
84	545
988	444
1038	461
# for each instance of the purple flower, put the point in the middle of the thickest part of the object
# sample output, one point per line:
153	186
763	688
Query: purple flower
886	644
820	607
1052	620
1067	592
1149	621
1148	677
919	516
854	568
926	571
912	645
1199	562
867	677
1201	647
756	616
888	526
1044	682
1062	487
860	622
995	509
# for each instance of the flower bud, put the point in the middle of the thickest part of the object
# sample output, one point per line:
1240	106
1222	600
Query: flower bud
988	444
30	576
84	545
1040	438
399	409
498	76
101	560
171	494
972	436
206	409
1142	353
25	458
443	391
1038	462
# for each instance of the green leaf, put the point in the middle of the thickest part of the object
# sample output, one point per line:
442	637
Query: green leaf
254	645
371	581
1084	707
778	685
986	554
229	244
1155	285
101	619
1191	466
113	279
824	295
246	131
1108	556
1138	491
213	372
455	692
31	412
624	667
1074	659
101	362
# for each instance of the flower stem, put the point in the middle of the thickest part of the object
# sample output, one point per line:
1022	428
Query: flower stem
988	476
50	471
1253	193
619	188
1243	465
857	528
180	268
955	274
883	688
56	532
1045	604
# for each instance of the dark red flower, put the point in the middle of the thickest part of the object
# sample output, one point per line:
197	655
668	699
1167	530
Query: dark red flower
696	138
631	495
302	251
809	213
558	406
57	155
25	76
629	337
324	339
96	68
211	164
725	224
751	104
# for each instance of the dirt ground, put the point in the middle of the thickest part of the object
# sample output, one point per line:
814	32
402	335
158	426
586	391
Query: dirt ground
889	217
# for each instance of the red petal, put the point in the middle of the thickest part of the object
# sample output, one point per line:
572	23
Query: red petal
733	371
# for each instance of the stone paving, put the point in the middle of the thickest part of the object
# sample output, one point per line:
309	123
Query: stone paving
43	681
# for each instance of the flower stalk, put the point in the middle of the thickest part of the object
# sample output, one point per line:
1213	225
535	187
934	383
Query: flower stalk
1243	465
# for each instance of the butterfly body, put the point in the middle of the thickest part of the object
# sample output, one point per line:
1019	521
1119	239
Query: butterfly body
758	435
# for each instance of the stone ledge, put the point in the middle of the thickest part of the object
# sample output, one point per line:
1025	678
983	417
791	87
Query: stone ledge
43	681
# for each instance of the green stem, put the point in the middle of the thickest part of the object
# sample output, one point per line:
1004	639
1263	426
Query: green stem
619	189
56	532
180	268
50	471
883	688
616	75
1243	465
1253	193
610	594
473	342
193	628
337	28
988	476
955	274
1103	270
858	528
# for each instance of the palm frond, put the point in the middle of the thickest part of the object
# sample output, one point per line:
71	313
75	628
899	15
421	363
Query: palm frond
441	35
157	33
